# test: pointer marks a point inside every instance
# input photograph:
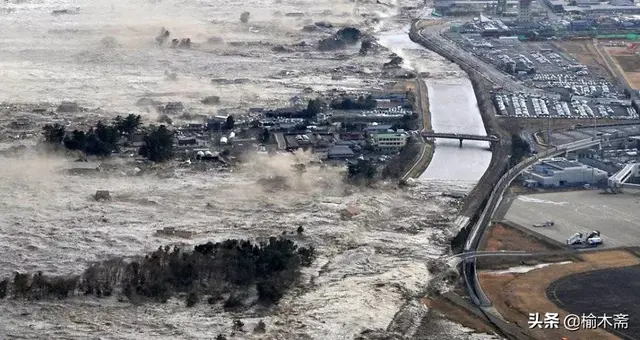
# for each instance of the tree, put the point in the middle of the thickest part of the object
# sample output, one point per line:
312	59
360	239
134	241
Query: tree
237	325
400	163
4	284
519	148
158	145
244	17
54	134
127	125
77	141
21	284
230	123
264	135
362	103
101	141
361	170
260	327
108	134
192	299
314	107
300	230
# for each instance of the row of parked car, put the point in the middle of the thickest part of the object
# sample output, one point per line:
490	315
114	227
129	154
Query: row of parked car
545	107
577	86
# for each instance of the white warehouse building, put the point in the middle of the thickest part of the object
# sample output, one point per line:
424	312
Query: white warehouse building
560	172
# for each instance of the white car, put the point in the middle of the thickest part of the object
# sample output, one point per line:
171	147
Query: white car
594	241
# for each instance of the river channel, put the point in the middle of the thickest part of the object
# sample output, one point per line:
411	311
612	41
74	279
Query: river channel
453	108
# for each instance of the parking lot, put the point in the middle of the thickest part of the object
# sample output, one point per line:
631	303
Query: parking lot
573	92
615	216
550	64
523	105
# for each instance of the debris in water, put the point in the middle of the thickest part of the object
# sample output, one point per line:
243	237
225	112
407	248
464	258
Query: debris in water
102	195
349	212
244	17
172	231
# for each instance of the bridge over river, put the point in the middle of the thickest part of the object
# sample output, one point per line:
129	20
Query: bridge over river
460	136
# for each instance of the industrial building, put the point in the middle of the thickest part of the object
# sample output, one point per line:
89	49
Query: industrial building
560	172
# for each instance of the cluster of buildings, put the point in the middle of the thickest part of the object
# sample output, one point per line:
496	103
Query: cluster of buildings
343	144
334	134
562	18
593	7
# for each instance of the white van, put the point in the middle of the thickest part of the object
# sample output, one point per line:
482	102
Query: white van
574	239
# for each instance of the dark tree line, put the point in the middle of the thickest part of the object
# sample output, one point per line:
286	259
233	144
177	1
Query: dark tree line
314	107
216	269
362	103
103	139
519	148
100	140
400	164
361	172
158	144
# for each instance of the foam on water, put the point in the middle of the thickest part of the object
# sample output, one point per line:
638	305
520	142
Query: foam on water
49	57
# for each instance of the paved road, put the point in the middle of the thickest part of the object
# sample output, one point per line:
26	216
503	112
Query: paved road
421	94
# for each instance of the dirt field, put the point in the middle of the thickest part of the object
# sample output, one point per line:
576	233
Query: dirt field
586	53
503	237
515	296
628	63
